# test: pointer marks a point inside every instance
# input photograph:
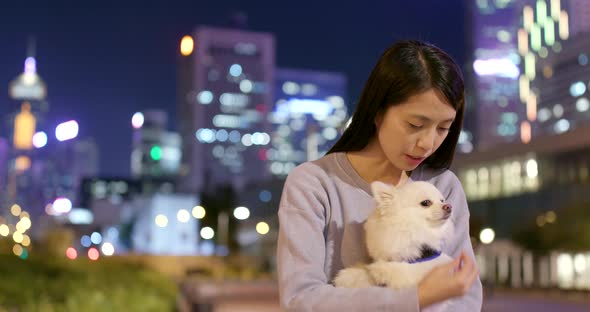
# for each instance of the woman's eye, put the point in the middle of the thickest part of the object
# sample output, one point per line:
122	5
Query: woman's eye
414	126
443	129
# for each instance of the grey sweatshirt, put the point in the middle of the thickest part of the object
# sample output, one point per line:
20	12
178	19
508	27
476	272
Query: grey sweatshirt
322	209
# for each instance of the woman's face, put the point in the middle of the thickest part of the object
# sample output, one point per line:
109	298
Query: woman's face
410	132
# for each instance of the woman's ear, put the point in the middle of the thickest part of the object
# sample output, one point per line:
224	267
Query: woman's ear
378	119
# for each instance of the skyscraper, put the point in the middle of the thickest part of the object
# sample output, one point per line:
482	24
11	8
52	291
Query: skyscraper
42	167
554	44
29	92
528	58
545	167
577	12
224	94
495	61
309	112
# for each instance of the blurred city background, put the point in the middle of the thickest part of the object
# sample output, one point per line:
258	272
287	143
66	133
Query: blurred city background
144	145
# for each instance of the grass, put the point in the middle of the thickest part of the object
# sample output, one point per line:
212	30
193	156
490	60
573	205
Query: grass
46	283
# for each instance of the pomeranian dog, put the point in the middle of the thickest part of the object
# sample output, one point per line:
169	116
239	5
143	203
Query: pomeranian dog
404	237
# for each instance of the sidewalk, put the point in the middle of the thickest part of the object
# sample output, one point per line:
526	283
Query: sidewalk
537	300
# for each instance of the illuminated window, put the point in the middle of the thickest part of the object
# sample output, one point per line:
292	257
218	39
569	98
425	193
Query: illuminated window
558	110
561	126
235	70
583	59
205	97
578	88
582	104
187	45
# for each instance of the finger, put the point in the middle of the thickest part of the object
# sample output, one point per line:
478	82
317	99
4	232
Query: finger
474	276
467	284
455	263
450	268
467	269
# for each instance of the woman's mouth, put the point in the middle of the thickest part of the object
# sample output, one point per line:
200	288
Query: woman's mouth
414	160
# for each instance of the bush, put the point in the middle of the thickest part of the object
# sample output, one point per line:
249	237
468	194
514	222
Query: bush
567	233
57	284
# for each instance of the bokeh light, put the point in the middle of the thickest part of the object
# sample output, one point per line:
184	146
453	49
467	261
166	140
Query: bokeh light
40	139
207	233
22	163
265	196
23	225
199	212
550	216
241	213
17	237
71	253
93	254
25	254
85	241
96	238
137	120
235	70
262	228
108	249
487	236
67	130
4	230
17	250
62	205
183	215
26	240
15	210
161	220
187	45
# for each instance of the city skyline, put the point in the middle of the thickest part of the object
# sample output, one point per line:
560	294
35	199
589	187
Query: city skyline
103	63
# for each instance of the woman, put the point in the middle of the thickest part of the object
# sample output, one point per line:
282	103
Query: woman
405	127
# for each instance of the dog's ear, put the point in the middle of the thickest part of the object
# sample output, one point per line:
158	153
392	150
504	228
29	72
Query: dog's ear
383	193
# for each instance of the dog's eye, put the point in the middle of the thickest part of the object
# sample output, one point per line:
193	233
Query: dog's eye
426	203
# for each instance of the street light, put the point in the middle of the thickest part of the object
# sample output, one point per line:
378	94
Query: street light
198	212
62	205
137	120
39	139
66	130
262	228
241	213
487	236
207	233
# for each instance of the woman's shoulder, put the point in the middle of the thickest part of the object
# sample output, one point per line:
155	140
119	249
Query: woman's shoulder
444	179
312	170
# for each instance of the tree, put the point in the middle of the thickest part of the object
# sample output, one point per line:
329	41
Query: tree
567	231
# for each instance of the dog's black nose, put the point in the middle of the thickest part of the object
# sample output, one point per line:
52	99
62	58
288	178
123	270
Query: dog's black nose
447	208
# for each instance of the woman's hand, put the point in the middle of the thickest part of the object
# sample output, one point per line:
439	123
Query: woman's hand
447	281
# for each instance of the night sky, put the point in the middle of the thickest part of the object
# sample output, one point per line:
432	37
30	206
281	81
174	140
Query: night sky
104	60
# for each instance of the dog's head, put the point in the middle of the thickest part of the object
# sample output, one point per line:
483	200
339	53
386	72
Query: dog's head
405	219
414	201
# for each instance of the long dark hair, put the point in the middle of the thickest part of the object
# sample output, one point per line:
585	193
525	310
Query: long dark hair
405	69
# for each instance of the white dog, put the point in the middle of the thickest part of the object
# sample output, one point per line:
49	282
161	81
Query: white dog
404	236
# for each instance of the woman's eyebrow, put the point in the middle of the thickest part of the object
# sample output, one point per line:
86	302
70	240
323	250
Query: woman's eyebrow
426	119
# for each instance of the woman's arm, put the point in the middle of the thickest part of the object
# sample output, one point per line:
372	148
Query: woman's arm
303	284
471	301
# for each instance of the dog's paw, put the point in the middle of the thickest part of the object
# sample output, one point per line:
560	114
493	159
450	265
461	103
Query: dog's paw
355	277
391	274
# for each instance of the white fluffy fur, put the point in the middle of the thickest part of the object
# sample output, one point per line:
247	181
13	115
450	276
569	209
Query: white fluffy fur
404	219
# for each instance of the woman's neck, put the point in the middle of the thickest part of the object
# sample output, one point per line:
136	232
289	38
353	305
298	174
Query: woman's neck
371	164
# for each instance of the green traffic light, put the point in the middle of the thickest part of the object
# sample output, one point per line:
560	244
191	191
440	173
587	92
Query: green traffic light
156	152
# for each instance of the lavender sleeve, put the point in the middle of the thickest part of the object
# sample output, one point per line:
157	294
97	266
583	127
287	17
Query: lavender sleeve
301	255
472	301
